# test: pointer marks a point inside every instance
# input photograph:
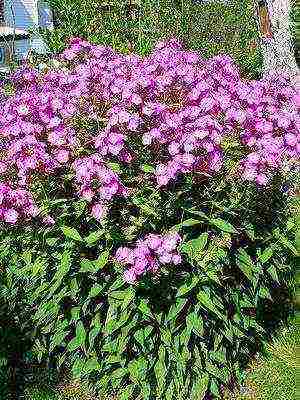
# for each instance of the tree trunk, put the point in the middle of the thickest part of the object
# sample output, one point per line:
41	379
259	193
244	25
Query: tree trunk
277	48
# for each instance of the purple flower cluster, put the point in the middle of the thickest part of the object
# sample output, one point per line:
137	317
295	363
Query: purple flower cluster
15	204
148	254
97	183
174	105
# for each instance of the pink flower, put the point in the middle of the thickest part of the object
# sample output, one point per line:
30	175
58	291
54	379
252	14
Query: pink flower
148	254
48	220
99	211
53	122
261	179
87	194
283	122
11	216
176	259
153	241
174	148
69	54
165	258
3	167
23	109
264	126
122	254
291	139
253	158
62	156
130	276
250	174
207	103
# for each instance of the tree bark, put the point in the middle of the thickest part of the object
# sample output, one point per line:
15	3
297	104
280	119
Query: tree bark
278	52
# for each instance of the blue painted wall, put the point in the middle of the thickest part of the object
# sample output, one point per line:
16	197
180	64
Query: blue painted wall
26	14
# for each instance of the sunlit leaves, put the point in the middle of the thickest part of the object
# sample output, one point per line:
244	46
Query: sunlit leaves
71	233
246	264
79	339
208	304
223	225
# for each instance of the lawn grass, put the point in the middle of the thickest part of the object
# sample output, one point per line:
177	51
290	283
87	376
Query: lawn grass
275	375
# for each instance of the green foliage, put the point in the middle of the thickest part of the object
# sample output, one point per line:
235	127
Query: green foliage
137	25
177	335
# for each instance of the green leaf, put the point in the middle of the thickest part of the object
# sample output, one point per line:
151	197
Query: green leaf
176	308
213	276
273	272
38	266
94	332
193	247
264	293
87	266
187	287
220	373
71	233
126	393
79	339
166	336
94	266
138	369
94	237
187	223
75	314
146	208
128	298
145	389
169	394
245	264
144	308
117	376
197	212
214	386
147	168
63	267
119	282
92	364
297	240
223	225
102	260
207	303
285	242
195	322
200	388
142	334
51	241
115	167
95	290
46	312
266	255
160	370
57	339
114	359
218	356
78	367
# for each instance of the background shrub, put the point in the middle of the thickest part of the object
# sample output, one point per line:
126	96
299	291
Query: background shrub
215	28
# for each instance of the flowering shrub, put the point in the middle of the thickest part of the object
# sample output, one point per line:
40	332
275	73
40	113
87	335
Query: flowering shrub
139	201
